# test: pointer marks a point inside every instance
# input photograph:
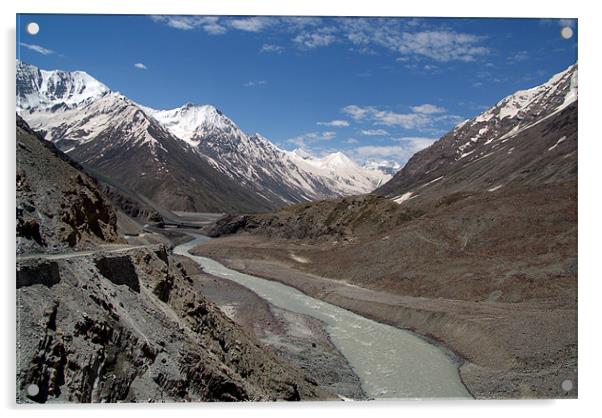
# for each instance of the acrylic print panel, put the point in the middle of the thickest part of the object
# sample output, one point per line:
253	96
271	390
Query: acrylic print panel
226	208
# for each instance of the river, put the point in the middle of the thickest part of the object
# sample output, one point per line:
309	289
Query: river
391	363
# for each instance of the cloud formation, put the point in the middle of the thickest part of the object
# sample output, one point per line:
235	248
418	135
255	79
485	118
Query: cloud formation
277	49
210	24
37	48
401	152
388	117
374	132
252	24
407	38
140	66
322	37
304	140
337	123
255	83
428	109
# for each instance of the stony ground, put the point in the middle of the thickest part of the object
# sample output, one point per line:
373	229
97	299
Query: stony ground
300	339
58	206
131	327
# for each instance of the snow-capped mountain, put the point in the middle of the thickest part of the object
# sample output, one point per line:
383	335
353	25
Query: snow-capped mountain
339	170
40	89
257	163
112	135
387	167
141	146
529	137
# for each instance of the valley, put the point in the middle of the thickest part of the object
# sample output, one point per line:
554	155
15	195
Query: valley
166	255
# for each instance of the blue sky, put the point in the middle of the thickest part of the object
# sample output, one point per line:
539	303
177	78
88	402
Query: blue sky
373	88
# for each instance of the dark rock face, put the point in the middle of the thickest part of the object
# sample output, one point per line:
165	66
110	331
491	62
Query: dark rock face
227	225
29	229
119	270
45	273
337	219
58	206
89	338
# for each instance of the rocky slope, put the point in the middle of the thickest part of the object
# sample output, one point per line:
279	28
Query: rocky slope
529	137
130	327
119	323
58	207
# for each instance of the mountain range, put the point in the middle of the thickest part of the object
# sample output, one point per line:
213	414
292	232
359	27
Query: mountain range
192	158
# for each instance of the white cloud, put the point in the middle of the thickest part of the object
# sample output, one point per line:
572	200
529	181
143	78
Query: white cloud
406	120
37	48
210	24
387	117
393	152
407	147
251	24
442	45
351	141
311	137
406	37
519	56
424	118
277	49
255	83
322	37
358	112
428	109
412	38
337	123
415	143
140	66
374	132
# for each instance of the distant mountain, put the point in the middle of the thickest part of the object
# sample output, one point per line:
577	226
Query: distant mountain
113	135
386	167
527	138
254	161
340	172
189	158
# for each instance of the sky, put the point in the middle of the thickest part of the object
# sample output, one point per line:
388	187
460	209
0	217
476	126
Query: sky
374	88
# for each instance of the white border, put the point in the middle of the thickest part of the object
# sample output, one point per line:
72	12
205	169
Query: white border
590	151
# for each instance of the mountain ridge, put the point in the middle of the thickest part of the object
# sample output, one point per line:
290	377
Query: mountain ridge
102	128
517	122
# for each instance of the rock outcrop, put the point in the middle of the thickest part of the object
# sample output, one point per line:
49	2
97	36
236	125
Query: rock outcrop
58	206
132	328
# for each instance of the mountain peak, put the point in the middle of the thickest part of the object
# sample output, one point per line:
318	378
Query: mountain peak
337	159
45	89
529	136
302	153
192	121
